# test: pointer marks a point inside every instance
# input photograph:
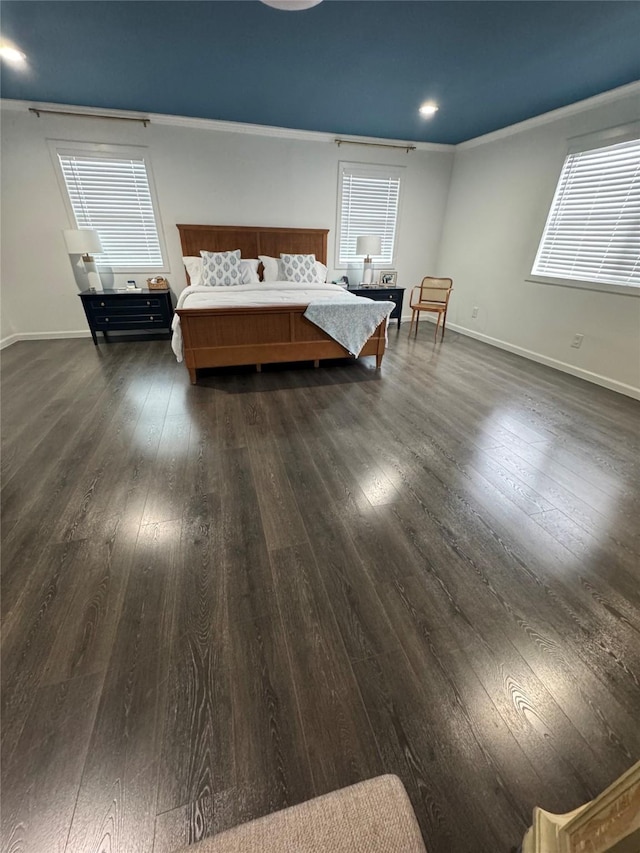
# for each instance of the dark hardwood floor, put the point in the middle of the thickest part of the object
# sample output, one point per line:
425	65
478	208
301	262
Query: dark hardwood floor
225	599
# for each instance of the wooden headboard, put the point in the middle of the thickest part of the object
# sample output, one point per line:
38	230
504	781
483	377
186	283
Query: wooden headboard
253	241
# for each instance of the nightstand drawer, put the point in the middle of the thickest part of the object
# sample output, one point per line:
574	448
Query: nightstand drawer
100	305
99	313
128	319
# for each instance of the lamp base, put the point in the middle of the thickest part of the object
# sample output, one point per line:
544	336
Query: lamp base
95	282
367	273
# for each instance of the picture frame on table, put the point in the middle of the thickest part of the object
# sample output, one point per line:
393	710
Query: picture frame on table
388	278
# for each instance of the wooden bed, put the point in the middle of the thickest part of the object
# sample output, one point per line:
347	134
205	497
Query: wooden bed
219	337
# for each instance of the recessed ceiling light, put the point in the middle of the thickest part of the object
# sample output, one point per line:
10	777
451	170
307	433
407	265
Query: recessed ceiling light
12	54
428	109
291	5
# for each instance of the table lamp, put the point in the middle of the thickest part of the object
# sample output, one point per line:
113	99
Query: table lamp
86	243
368	246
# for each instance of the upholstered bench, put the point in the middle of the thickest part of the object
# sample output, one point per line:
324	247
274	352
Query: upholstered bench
370	817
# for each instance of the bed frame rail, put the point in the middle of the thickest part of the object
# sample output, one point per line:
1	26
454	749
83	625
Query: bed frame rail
221	337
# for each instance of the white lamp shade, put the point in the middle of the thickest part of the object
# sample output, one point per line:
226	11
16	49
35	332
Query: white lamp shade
82	241
368	246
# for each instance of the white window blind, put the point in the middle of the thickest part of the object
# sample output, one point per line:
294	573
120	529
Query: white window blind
368	207
112	196
593	228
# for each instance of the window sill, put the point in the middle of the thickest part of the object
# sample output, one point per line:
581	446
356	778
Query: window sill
360	263
150	271
619	289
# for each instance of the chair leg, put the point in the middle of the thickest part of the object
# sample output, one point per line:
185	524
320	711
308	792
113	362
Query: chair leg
417	321
435	337
444	321
413	317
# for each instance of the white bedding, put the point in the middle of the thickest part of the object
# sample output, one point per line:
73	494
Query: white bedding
264	293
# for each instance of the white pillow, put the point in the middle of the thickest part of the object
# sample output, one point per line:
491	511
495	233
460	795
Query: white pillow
221	269
193	267
248	268
273	269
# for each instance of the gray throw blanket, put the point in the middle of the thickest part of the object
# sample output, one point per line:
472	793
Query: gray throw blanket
350	323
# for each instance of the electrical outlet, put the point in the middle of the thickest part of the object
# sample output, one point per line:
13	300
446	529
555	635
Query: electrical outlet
577	341
474	313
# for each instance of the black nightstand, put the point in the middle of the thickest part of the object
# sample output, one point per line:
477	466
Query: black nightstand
383	294
117	310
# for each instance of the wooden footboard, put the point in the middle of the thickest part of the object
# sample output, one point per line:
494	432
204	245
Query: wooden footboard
219	337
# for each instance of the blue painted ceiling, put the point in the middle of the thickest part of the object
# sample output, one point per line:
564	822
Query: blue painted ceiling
348	67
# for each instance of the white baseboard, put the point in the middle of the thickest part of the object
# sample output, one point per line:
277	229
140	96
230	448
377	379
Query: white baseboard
43	336
596	378
10	339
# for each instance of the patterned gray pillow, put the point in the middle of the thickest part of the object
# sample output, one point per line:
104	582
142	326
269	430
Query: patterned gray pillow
299	268
221	269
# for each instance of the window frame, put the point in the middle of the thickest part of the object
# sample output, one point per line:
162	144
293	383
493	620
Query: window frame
374	169
588	142
110	151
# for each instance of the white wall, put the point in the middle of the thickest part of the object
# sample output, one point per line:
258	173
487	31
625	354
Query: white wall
499	198
202	176
7	328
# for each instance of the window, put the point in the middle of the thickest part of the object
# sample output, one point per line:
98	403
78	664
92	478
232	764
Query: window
593	228
111	194
367	206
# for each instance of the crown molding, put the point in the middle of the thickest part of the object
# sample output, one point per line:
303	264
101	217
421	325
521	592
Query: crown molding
286	132
620	92
220	126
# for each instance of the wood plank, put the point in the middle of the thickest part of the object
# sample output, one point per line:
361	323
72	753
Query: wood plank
272	766
337	731
197	756
95	609
194	821
40	784
249	582
32	632
281	519
167	492
116	801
